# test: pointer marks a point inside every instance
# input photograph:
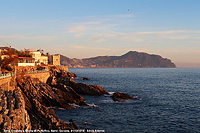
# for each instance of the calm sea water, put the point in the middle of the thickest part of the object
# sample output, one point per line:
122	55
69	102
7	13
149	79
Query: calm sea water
169	100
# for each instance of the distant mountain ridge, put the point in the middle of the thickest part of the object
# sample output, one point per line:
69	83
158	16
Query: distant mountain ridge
132	59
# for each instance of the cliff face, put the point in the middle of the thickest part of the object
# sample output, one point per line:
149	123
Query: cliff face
39	97
13	113
80	88
132	59
29	106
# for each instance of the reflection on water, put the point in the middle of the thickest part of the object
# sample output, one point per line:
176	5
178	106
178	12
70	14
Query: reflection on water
168	100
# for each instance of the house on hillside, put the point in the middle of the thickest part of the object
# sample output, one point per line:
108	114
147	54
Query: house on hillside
36	59
20	61
24	61
39	58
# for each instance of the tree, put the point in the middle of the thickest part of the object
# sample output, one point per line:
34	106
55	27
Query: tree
48	55
7	60
25	53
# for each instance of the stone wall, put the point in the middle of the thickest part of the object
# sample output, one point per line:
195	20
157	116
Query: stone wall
9	83
5	83
41	76
21	69
65	68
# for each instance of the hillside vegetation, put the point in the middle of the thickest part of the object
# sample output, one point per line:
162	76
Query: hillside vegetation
132	59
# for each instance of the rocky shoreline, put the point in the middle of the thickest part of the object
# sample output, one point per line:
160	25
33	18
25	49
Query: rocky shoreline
29	105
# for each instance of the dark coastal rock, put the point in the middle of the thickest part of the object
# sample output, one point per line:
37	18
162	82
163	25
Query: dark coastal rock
39	97
70	95
120	97
79	88
12	112
52	80
59	95
62	73
82	88
84	78
85	89
71	75
29	107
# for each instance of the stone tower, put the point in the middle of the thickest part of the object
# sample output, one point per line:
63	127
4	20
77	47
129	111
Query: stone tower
56	60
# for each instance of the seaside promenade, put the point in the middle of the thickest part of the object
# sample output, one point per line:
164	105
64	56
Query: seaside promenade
5	79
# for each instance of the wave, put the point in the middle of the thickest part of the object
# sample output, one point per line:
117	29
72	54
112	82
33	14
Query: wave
109	94
107	101
92	105
56	108
74	105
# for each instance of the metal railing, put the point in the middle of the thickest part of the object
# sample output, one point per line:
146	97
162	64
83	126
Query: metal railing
37	71
6	75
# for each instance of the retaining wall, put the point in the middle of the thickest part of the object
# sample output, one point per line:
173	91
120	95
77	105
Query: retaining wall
41	76
5	83
63	68
8	83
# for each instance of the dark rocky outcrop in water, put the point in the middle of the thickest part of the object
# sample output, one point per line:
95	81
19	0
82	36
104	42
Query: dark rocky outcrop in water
132	59
84	78
120	97
29	106
79	88
39	97
85	89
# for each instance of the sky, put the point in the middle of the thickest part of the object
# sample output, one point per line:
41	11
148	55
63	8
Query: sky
89	28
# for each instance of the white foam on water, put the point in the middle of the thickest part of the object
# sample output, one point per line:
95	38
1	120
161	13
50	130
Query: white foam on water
107	101
74	105
92	105
56	108
111	93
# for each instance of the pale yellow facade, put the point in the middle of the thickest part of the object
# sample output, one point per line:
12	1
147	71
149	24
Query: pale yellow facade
39	58
44	59
36	55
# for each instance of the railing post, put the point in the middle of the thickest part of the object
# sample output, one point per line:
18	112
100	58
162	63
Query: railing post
8	85
15	72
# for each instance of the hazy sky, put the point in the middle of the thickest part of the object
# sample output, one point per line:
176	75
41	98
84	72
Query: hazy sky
88	28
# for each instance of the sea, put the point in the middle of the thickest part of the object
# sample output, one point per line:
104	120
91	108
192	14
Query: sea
168	101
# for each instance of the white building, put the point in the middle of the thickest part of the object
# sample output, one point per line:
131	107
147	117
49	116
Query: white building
39	58
25	61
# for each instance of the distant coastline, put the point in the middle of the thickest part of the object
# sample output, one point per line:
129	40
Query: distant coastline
132	59
187	65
